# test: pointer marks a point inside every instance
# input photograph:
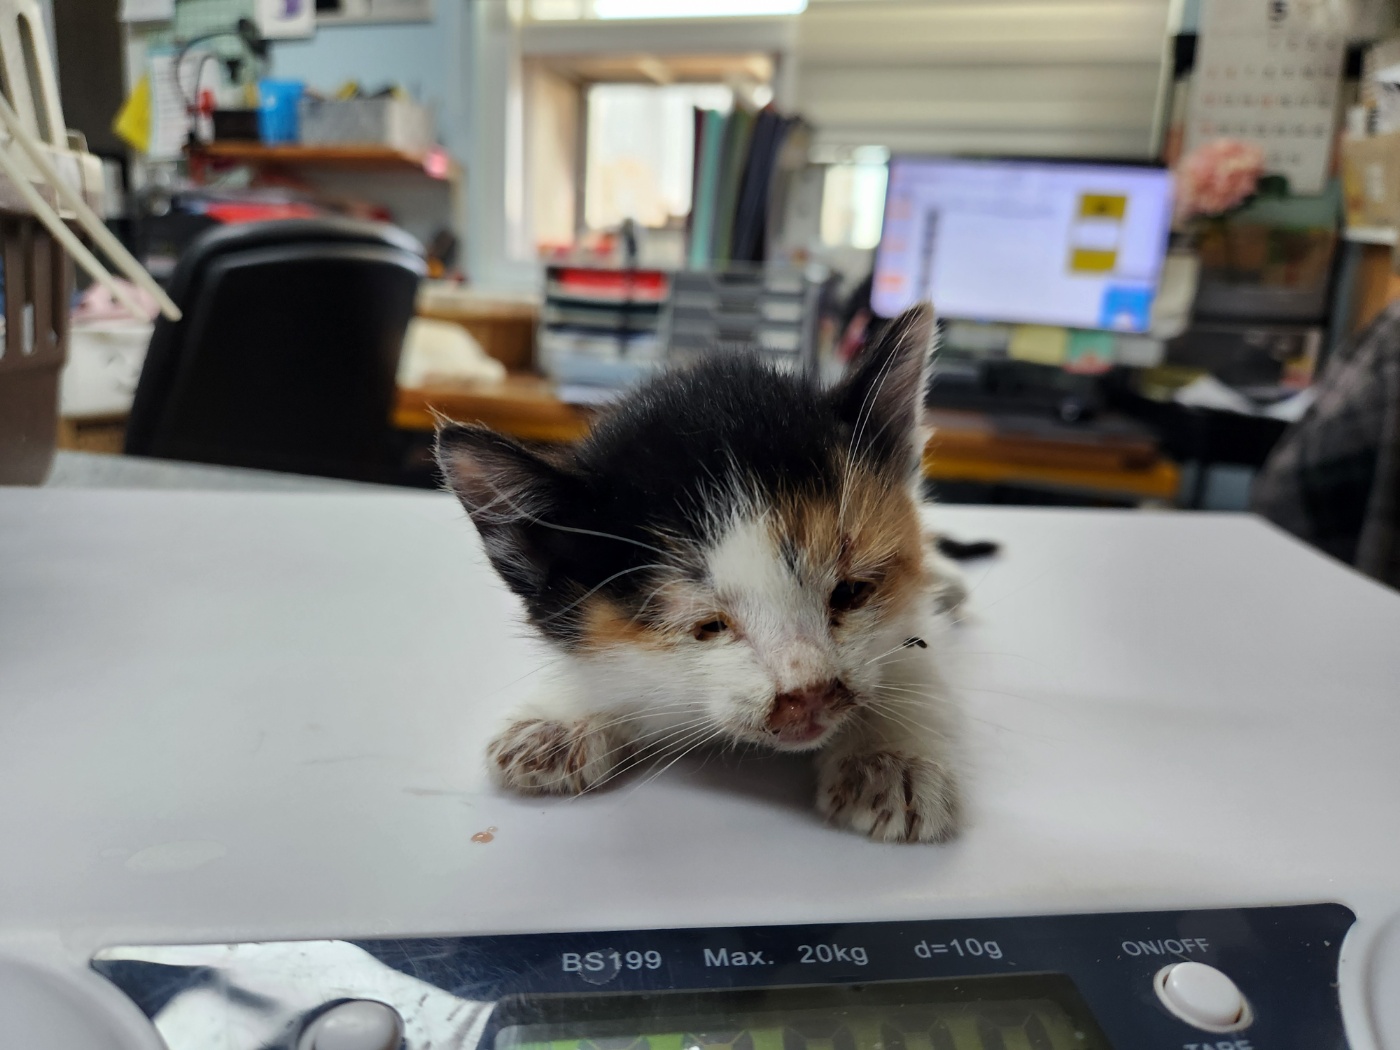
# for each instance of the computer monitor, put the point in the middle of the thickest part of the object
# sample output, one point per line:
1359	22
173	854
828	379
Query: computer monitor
1035	242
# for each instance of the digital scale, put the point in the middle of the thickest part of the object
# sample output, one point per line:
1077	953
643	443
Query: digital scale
1236	978
240	742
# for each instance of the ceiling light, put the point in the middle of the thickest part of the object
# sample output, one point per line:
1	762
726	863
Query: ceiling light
695	8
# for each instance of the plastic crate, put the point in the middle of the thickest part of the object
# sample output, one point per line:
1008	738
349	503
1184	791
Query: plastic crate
38	275
38	288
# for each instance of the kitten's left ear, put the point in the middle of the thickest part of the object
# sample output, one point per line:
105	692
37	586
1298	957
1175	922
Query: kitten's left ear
882	398
506	489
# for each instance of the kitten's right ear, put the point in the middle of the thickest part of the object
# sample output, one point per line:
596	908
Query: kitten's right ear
506	488
882	398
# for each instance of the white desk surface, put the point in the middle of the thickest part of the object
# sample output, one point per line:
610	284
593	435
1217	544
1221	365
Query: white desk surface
237	716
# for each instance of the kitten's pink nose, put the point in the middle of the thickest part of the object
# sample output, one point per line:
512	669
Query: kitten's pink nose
796	712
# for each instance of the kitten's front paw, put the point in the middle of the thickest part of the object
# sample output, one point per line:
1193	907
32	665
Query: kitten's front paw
542	757
889	796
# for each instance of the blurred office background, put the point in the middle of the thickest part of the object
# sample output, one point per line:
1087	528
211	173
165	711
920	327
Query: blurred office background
1149	225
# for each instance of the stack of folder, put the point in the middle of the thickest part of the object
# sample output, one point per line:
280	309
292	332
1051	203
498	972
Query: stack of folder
736	158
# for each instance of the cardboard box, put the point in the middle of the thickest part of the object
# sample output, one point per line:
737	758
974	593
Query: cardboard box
398	123
1371	180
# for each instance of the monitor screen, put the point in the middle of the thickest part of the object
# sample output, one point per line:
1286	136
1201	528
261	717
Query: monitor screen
1034	242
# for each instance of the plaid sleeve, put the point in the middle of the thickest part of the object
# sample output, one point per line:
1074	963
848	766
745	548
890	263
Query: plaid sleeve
1332	480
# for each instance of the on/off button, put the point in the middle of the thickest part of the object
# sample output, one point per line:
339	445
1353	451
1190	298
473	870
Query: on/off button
1202	996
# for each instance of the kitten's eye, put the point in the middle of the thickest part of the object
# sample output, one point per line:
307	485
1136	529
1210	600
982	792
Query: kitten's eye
851	594
710	629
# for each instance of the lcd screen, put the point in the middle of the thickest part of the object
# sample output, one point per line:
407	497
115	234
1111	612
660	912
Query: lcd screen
1030	1012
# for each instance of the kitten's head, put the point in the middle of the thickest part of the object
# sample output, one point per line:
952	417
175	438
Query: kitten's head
730	543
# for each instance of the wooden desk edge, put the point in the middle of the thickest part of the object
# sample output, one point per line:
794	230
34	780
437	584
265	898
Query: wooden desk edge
553	421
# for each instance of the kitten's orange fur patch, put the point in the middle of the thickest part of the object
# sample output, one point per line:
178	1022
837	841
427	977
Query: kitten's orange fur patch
603	625
874	535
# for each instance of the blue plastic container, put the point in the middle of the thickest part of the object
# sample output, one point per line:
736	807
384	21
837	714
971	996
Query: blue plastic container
278	101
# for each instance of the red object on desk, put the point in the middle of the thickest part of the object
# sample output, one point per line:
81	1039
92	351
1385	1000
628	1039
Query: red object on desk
243	211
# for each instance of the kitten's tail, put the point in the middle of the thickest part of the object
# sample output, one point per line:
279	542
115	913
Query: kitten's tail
959	550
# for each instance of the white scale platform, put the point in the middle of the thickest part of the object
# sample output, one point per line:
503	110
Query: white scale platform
234	717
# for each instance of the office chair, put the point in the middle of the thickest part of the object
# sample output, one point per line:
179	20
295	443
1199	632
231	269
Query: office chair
286	355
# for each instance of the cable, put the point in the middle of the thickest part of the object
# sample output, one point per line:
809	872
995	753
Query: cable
247	33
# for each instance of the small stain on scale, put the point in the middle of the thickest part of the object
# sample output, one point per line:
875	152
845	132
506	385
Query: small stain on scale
485	836
175	856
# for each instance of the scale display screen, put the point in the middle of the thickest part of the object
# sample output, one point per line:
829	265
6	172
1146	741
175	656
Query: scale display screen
1030	1012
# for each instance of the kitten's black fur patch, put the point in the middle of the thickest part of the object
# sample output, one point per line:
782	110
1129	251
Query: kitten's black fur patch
668	461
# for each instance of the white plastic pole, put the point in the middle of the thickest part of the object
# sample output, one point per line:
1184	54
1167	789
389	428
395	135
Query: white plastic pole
56	226
87	218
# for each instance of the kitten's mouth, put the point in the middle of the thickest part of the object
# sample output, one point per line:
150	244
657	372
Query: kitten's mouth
800	720
802	737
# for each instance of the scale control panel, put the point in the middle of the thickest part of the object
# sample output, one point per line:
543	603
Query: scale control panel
1218	979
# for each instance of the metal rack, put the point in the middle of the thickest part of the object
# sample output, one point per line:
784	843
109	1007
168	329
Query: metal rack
760	309
609	327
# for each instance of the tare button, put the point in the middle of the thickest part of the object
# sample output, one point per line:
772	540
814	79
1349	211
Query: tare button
1202	996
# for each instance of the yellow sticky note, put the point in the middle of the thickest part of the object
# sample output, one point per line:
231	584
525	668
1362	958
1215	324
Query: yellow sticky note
1102	205
1039	344
133	121
1092	260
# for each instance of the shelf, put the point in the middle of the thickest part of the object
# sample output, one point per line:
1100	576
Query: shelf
435	163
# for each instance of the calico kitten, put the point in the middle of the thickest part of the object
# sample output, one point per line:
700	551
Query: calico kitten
733	556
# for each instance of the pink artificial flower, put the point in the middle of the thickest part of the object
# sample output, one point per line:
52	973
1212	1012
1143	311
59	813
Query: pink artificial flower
1216	176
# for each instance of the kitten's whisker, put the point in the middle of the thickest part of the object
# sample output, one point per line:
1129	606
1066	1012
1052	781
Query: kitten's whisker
704	739
923	701
906	644
579	601
677	740
866	410
655	591
520	512
516	681
640	714
901	702
905	723
682	730
650	747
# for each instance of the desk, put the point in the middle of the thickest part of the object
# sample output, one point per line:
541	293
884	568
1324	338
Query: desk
966	446
261	715
523	406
